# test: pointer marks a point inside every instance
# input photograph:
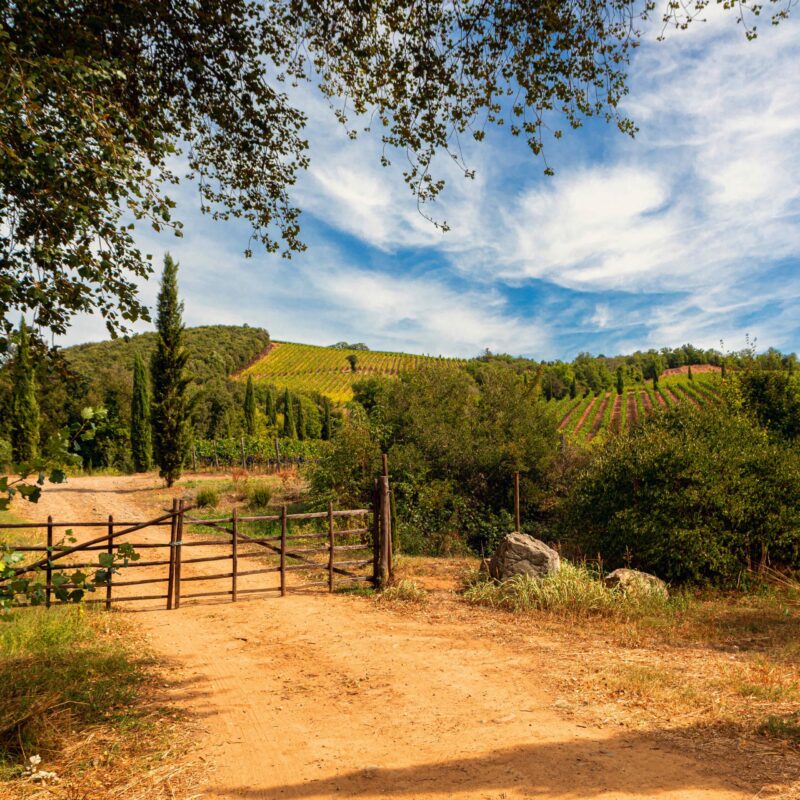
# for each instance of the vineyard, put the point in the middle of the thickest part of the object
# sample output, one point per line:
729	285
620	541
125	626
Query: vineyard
308	368
584	419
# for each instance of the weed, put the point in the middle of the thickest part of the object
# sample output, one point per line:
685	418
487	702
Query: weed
259	496
779	727
207	498
405	591
573	590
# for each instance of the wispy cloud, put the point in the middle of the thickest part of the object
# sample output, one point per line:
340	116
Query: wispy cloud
689	232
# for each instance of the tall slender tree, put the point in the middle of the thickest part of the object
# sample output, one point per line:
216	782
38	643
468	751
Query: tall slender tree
289	429
270	410
250	407
689	373
573	388
168	371
620	381
141	432
25	408
300	423
326	419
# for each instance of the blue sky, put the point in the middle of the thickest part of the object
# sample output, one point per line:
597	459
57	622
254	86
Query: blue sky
689	232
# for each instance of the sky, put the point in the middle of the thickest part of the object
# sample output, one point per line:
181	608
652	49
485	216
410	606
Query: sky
689	232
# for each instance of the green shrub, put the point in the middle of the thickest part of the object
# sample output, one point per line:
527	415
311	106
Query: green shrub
692	494
259	496
573	591
207	498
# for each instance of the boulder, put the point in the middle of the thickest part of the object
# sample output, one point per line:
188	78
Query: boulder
636	581
520	554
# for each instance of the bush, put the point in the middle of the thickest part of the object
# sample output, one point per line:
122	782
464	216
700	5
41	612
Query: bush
259	496
207	498
573	590
695	495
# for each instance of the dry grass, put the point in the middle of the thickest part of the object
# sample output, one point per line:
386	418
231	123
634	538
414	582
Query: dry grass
78	690
404	591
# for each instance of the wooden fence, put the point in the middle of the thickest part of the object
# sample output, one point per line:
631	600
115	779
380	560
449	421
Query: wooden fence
359	551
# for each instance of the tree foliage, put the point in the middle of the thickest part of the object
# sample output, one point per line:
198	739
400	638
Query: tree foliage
141	429
691	495
250	407
99	99
25	408
170	403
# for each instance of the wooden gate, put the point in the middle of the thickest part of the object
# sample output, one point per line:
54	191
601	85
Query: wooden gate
324	549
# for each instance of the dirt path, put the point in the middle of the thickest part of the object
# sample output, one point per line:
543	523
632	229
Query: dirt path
319	696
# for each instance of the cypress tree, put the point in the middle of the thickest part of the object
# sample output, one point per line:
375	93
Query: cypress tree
250	407
141	432
269	409
289	430
620	381
689	373
24	406
301	420
167	369
573	389
655	382
723	370
326	420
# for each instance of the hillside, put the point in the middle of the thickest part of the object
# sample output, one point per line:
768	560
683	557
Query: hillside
309	368
586	418
215	351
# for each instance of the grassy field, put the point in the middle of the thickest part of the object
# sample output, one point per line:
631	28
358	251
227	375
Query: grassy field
585	419
308	368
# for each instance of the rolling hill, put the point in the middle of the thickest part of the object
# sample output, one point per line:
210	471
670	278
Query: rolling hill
310	368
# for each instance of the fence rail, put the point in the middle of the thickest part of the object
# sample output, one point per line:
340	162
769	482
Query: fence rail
333	551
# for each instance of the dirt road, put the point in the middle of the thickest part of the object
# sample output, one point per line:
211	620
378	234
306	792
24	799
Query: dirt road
319	696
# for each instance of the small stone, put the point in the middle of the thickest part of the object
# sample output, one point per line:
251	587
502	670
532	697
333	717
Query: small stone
633	580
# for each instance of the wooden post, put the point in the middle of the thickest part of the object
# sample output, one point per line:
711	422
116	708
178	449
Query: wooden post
376	533
385	567
178	554
234	553
283	551
517	522
110	551
244	459
331	542
48	568
172	537
194	457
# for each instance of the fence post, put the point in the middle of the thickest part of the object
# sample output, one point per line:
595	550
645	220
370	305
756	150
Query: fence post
517	521
331	542
376	533
234	553
283	551
244	460
385	567
172	531
194	457
48	568
178	555
110	551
